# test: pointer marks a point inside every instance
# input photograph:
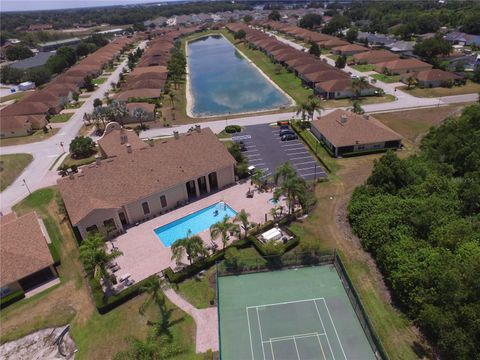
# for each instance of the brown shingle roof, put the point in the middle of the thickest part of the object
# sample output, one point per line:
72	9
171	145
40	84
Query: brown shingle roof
340	84
350	47
111	143
399	64
436	75
375	56
24	248
356	130
143	172
138	93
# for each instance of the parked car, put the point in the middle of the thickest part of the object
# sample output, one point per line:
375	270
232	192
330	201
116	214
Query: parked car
288	137
286	131
243	147
284	127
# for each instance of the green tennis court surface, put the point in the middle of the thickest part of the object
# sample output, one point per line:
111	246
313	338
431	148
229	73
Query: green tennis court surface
295	314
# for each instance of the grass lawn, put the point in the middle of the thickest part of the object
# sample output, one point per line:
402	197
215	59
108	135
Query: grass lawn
96	336
74	105
469	88
413	124
201	291
100	80
363	67
14	96
329	104
60	118
386	78
37	135
11	166
79	162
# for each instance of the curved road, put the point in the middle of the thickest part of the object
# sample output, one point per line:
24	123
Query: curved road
46	153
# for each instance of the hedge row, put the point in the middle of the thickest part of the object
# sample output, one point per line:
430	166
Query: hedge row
11	298
196	267
289	245
231	129
364	152
105	304
54	253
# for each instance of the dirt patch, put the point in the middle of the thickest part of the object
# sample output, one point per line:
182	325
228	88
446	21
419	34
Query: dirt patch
40	345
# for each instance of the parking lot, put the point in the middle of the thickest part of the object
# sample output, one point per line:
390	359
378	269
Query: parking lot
266	151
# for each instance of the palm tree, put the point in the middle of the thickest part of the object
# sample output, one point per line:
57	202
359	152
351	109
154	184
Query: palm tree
258	177
172	99
154	288
357	107
191	245
117	110
358	85
313	105
140	115
95	257
242	217
284	171
303	109
223	229
100	116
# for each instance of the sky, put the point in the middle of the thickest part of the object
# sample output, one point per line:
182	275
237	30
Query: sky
27	5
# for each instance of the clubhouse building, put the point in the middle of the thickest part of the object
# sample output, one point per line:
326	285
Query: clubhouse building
137	183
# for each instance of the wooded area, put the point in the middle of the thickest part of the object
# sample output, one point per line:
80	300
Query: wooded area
420	219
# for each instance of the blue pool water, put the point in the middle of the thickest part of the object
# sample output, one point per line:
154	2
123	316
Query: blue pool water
222	81
194	223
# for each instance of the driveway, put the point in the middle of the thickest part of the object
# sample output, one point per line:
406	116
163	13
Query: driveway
266	151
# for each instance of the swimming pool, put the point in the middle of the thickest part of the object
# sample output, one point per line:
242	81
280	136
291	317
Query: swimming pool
194	223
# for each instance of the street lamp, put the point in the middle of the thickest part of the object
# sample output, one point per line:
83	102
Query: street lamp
26	186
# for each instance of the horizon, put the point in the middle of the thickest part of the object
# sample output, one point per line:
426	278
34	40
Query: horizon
44	5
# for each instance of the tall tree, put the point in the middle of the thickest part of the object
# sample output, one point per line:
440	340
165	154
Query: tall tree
244	218
223	229
192	246
314	49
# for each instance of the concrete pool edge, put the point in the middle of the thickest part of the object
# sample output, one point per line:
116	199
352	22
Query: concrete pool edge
191	100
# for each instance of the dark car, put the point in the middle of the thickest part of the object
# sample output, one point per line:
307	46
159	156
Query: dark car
284	127
242	146
286	131
288	137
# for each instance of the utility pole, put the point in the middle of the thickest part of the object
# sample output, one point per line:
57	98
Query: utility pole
27	186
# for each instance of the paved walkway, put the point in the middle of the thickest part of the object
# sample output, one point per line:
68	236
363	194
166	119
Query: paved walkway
206	321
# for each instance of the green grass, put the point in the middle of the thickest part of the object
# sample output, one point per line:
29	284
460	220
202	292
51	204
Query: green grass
14	96
79	162
336	103
37	135
74	105
469	88
363	67
199	291
386	78
60	118
11	166
38	200
100	80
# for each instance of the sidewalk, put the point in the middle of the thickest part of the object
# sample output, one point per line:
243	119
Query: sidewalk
206	321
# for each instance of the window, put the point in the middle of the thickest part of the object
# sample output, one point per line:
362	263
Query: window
146	208
92	229
361	147
109	225
377	146
163	201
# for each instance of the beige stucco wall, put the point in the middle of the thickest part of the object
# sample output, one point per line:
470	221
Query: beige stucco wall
97	217
225	176
14	132
10	288
134	211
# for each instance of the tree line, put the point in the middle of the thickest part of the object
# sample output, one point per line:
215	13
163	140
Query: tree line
420	219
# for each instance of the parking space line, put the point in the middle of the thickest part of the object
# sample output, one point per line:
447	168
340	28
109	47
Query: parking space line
294	148
250	151
307	168
293	144
298	153
252	163
319	173
305	162
304	157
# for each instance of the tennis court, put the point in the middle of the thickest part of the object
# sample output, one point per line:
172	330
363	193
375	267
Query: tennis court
294	314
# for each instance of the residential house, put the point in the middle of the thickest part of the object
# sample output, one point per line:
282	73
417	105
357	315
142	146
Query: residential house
433	78
114	139
461	38
348	50
374	56
344	132
113	194
25	258
340	88
401	47
14	126
402	66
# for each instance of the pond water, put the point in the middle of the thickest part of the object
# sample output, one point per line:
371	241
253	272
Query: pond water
223	82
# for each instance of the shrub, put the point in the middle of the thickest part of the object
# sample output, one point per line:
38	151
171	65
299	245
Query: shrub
97	102
231	129
82	147
11	298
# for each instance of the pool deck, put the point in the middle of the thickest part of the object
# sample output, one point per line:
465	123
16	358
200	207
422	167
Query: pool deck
145	255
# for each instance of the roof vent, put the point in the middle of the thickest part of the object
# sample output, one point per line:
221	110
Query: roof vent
150	142
343	119
366	116
123	138
176	135
198	128
129	148
97	160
